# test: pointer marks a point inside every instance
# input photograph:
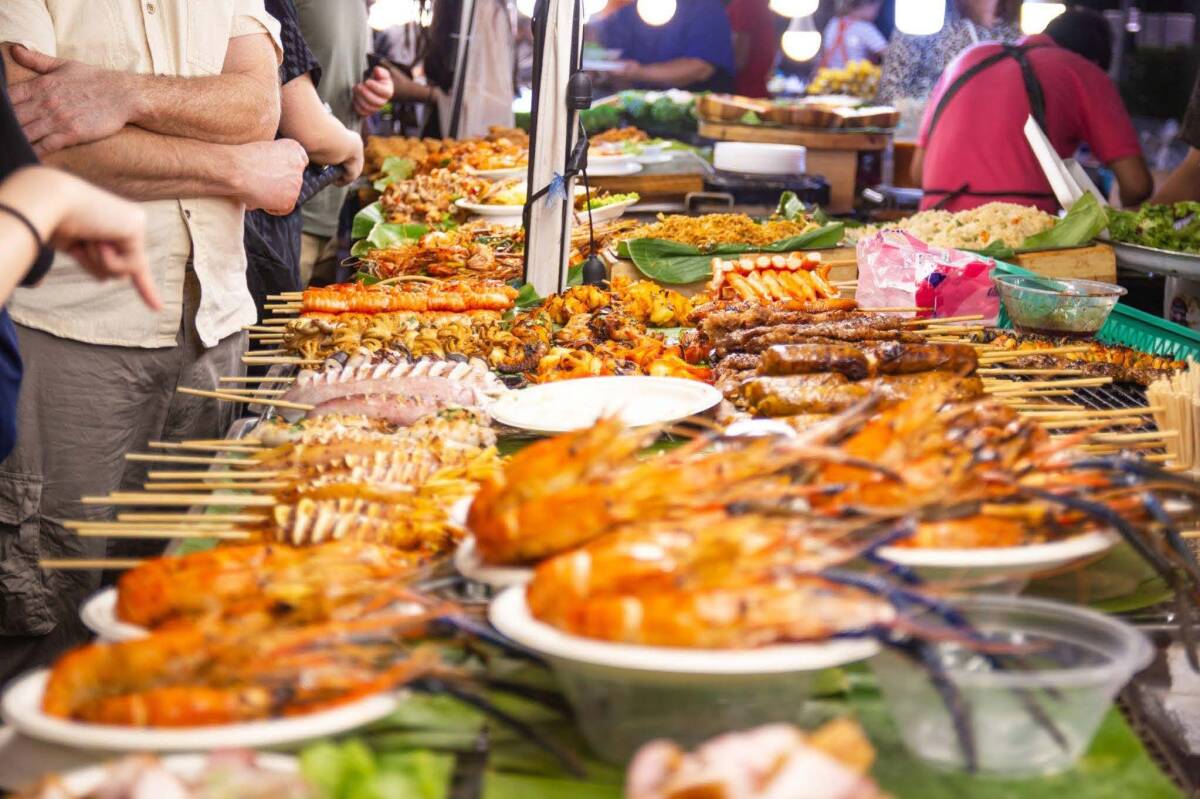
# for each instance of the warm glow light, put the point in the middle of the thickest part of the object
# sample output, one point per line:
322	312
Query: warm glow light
920	17
656	12
801	45
526	7
386	14
593	7
793	8
1036	16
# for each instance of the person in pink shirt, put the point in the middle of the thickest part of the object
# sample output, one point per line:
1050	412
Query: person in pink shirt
972	148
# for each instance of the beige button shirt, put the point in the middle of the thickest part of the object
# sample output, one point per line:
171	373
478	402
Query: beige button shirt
161	37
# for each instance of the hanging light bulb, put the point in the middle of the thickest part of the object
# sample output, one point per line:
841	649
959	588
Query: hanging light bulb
801	45
801	41
920	17
793	8
525	7
656	12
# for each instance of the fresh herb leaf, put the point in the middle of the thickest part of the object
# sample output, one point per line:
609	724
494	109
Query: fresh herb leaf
790	206
392	169
365	219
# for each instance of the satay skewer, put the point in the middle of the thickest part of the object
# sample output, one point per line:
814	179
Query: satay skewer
1001	370
150	498
935	320
268	379
1007	355
225	518
89	563
221	535
215	475
203	446
225	395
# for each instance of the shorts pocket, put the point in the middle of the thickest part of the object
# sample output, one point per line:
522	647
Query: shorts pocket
24	609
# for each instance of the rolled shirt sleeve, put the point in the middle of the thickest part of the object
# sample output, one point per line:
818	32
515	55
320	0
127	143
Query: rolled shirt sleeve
251	17
28	23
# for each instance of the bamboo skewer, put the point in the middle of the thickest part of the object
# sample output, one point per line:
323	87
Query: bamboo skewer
201	486
202	446
1071	382
1128	438
270	360
1007	355
225	518
934	320
897	309
1000	370
219	500
89	563
221	535
257	379
1066	413
214	475
198	460
225	395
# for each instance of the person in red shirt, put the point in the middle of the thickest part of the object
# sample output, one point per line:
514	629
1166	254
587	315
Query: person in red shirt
755	42
972	148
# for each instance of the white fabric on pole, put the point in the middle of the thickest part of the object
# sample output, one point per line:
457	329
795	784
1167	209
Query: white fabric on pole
549	231
488	87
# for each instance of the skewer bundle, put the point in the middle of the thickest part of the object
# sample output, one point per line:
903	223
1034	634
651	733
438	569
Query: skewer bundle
1178	399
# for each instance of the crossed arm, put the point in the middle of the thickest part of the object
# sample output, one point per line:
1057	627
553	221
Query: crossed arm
151	137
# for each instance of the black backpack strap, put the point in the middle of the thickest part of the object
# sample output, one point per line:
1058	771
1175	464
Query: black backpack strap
1033	87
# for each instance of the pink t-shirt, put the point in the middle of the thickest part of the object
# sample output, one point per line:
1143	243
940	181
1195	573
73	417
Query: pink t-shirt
980	140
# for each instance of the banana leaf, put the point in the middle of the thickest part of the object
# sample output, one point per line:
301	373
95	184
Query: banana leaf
367	217
384	235
392	169
671	262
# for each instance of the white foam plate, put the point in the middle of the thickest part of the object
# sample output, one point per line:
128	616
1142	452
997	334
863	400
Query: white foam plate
87	781
470	565
629	166
509	613
1003	560
99	614
483	209
575	404
22	708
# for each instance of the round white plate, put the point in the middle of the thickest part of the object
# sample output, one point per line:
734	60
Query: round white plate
654	158
470	565
606	213
509	613
499	174
99	614
87	781
22	708
1030	558
575	404
629	166
482	209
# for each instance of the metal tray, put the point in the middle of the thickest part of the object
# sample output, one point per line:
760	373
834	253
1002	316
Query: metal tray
1152	259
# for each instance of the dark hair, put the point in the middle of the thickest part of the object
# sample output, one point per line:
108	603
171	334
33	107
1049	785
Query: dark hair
436	47
1083	31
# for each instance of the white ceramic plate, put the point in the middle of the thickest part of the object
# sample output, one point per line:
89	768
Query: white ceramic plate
510	614
500	174
1029	558
99	614
22	708
629	167
575	404
470	565
482	209
86	781
605	214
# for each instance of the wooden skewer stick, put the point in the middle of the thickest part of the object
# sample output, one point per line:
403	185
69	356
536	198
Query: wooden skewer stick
152	457
268	322
263	353
89	563
1061	407
1077	410
257	379
1070	382
261	329
934	320
201	486
204	447
224	518
220	500
287	295
1000	370
1007	355
214	475
220	535
225	395
268	360
1124	438
255	392
1068	424
278	306
1037	392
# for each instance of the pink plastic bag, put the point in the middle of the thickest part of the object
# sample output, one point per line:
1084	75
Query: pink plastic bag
896	270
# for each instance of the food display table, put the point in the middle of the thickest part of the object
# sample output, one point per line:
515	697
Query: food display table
831	154
669	181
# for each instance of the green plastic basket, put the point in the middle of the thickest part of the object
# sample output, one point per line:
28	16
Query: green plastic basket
1131	328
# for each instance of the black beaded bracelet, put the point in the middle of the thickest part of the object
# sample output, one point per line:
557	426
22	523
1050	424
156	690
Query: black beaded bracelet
37	237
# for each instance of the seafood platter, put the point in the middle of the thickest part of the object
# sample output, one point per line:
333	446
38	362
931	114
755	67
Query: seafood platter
662	523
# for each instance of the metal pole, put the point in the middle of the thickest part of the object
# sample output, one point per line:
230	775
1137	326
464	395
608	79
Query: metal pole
557	42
